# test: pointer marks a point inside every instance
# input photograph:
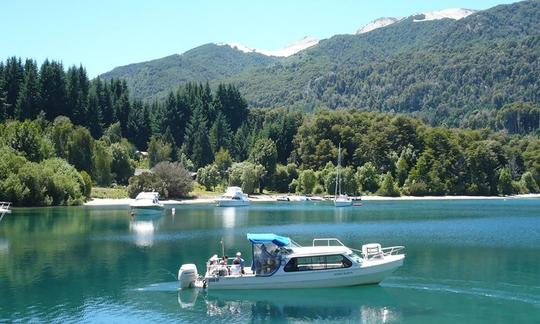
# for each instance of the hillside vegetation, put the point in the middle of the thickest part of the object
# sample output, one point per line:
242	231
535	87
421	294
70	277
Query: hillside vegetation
443	71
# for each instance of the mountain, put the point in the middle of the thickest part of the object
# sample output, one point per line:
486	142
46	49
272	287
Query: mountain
153	79
439	69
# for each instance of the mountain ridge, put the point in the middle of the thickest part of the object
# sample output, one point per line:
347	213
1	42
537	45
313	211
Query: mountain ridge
383	69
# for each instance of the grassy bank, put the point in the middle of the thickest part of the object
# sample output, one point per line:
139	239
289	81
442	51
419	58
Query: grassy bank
109	193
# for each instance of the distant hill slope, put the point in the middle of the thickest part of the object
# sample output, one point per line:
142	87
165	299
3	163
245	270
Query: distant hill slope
440	70
153	79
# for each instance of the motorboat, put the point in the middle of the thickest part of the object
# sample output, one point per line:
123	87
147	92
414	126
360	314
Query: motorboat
283	198
233	197
340	200
280	263
147	201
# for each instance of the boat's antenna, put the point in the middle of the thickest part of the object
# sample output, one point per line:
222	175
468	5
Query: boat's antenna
222	248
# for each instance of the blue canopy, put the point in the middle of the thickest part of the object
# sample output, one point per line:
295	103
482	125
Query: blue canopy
269	238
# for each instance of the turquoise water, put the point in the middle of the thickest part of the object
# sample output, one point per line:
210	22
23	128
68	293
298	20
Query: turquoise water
474	261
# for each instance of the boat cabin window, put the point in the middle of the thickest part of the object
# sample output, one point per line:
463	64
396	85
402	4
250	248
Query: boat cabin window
322	262
266	259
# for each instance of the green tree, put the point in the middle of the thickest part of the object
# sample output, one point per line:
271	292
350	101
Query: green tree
388	187
223	162
158	151
208	176
81	149
52	89
528	184
306	181
505	182
264	152
122	166
220	133
280	179
196	142
28	100
101	164
252	175
367	178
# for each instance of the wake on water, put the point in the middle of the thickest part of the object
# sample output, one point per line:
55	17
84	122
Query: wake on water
465	287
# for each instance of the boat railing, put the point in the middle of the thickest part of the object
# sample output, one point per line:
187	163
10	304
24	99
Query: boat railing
392	250
326	241
379	252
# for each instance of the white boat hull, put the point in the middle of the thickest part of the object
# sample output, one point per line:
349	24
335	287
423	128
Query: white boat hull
371	273
343	203
231	203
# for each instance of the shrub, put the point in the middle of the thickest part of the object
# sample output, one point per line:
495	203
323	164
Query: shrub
176	177
147	181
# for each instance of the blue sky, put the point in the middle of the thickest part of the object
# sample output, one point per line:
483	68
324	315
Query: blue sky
104	34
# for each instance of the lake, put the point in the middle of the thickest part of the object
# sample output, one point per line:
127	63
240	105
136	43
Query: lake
474	261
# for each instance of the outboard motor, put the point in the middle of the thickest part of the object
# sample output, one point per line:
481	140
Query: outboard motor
187	275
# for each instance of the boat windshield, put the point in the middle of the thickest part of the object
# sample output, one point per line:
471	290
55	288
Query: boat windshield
266	259
353	256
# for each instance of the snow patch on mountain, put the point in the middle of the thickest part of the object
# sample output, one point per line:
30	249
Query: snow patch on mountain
378	23
288	50
452	13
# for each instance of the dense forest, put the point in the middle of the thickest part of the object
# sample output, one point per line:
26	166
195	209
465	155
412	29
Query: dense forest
446	72
61	133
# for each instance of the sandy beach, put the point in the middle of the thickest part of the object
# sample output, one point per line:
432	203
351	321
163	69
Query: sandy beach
270	198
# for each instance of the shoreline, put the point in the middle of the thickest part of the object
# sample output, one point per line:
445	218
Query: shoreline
272	198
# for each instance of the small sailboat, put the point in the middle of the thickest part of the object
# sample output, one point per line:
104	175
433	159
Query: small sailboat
340	200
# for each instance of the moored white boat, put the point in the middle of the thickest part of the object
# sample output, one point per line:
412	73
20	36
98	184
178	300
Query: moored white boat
340	200
233	197
147	201
279	262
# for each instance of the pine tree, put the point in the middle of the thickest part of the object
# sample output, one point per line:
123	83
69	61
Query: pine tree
174	113
28	100
52	88
230	102
220	134
106	104
3	101
13	79
93	114
196	142
73	95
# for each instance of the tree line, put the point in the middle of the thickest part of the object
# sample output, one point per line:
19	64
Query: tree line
94	126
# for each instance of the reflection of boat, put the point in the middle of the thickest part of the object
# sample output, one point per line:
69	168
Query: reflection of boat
4	208
366	305
340	200
144	232
279	262
233	197
147	201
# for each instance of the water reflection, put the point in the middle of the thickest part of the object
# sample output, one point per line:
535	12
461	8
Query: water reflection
232	216
4	245
144	227
345	304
